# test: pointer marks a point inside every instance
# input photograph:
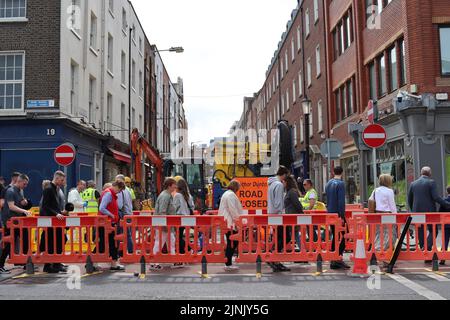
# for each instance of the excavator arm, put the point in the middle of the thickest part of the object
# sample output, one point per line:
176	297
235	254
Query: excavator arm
140	145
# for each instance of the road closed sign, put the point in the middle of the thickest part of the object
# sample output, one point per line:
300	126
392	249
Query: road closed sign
253	193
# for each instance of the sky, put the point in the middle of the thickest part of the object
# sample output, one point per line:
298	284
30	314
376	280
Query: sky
228	48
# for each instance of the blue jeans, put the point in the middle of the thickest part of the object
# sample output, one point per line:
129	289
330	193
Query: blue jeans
129	238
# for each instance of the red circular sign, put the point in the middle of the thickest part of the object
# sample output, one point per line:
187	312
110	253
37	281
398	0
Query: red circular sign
65	154
374	136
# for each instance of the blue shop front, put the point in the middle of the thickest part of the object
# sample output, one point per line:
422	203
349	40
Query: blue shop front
27	146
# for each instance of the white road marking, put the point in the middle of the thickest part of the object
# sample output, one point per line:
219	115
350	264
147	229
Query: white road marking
436	277
424	292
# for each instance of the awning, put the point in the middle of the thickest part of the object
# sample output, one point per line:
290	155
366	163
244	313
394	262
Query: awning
121	156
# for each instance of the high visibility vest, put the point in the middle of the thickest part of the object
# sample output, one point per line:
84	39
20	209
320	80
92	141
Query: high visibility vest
89	196
305	200
133	196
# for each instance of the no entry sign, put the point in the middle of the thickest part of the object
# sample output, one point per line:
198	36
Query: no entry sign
65	154
374	136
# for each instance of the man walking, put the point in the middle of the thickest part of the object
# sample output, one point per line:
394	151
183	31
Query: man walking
422	197
51	208
13	208
335	191
75	197
276	206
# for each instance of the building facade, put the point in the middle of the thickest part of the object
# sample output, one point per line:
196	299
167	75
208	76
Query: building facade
75	71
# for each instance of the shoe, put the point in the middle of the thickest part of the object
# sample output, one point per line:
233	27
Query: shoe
48	268
442	263
335	266
155	267
283	268
231	268
345	266
60	268
301	262
117	268
3	270
178	266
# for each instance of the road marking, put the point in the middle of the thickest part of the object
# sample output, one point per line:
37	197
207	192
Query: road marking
424	292
436	276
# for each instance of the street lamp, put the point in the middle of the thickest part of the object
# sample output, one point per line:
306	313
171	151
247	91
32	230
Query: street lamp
173	49
306	106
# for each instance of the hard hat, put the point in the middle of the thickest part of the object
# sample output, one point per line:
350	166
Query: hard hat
178	178
127	180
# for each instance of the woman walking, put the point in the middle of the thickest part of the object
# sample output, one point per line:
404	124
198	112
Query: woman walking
231	209
184	206
292	205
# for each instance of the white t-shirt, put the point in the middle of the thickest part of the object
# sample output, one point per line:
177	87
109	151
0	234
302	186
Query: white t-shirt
385	200
76	199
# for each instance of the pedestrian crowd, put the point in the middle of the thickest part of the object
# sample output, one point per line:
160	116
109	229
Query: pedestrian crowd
286	195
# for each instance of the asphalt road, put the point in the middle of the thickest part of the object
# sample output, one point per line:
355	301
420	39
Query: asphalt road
411	282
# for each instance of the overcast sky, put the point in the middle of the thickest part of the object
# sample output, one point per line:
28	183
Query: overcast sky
228	48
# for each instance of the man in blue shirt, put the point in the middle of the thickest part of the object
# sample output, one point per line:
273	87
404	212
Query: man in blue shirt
335	191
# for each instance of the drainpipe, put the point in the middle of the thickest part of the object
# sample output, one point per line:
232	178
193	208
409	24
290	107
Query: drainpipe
102	66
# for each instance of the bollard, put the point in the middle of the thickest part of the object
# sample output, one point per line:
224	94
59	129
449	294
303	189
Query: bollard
204	268
319	264
29	267
435	263
89	266
142	274
258	267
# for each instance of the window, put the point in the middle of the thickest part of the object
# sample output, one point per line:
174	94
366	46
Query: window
123	68
308	67
343	34
122	121
124	21
302	131
12	9
110	53
393	75
293	49
140	45
348	23
320	117
402	62
133	75
307	22
141	124
294	91
372	82
141	85
286	61
93	32
444	33
75	15
337	100
350	100
311	125
12	73
111	6
316	10
295	134
288	102
92	93
382	86
299	38
318	61
73	87
109	112
300	84
277	78
344	102
134	34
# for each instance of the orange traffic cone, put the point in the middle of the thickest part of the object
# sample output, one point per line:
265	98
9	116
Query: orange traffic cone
360	258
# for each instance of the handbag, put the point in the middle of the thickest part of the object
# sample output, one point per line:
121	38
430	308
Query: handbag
373	203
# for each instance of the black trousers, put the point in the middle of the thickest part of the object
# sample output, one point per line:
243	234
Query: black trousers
113	250
232	246
182	241
342	243
7	249
50	236
422	235
280	237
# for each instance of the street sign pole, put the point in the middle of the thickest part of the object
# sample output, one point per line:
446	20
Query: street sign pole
329	160
375	176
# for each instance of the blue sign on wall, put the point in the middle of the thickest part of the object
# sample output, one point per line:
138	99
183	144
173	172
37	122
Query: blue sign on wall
40	103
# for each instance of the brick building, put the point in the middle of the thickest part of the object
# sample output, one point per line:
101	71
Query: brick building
375	50
297	72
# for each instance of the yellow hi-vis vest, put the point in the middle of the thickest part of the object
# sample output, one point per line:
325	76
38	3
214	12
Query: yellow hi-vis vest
89	196
305	200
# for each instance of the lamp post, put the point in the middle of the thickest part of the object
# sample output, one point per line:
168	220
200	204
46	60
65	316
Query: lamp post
306	106
131	29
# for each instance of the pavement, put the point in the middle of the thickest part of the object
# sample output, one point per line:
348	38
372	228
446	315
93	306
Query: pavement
412	281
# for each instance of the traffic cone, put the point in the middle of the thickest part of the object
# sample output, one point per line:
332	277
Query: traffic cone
360	258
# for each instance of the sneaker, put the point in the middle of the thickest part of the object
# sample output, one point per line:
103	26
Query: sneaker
3	270
48	268
283	268
155	267
335	265
345	266
117	268
442	263
231	268
178	266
